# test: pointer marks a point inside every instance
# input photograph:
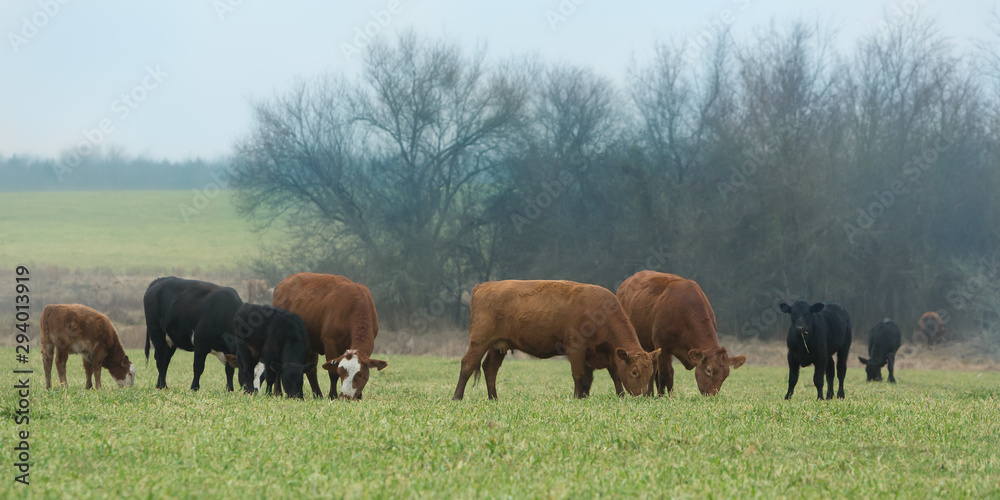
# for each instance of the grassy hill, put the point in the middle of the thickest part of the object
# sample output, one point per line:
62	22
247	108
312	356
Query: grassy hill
130	231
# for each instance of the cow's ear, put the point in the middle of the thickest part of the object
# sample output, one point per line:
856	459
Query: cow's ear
862	360
275	367
696	356
231	359
308	367
331	365
126	362
376	363
784	308
817	307
622	354
737	361
885	361
655	354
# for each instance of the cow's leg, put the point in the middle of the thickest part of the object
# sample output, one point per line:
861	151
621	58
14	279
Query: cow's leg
334	378
470	364
311	375
163	355
578	365
61	356
247	365
97	375
48	350
491	365
892	366
199	367
89	371
230	371
829	378
841	371
619	388
665	378
820	364
793	375
588	379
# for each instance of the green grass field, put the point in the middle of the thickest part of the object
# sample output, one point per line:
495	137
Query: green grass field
934	435
123	230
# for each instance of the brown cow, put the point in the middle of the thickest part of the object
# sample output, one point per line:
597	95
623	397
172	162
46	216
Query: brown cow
342	323
933	327
551	318
256	289
73	328
673	314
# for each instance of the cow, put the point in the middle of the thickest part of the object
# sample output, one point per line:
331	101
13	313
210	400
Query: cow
340	318
257	290
192	315
817	332
276	339
932	326
78	329
673	315
884	340
551	318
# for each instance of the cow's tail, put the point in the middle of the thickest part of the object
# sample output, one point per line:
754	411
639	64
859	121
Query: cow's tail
147	346
48	347
475	376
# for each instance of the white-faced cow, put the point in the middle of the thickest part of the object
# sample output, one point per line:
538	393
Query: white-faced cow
816	333
552	318
194	316
77	329
277	340
342	323
884	340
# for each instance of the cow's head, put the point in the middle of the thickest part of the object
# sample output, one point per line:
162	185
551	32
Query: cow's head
712	368
291	376
353	368
802	320
128	374
635	369
873	368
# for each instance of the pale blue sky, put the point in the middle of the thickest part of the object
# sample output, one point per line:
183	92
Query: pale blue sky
70	75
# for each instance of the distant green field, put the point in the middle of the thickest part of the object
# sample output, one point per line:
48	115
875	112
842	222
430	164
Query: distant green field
124	230
934	435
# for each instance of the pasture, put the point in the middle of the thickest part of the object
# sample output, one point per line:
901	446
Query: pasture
135	231
932	435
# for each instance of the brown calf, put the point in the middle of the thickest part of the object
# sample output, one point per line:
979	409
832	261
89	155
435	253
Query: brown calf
673	314
933	327
342	323
551	318
77	329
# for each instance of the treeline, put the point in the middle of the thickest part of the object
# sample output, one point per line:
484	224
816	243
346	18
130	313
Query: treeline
769	169
104	170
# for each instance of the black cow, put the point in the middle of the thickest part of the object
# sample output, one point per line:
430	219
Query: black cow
194	316
818	331
883	341
278	340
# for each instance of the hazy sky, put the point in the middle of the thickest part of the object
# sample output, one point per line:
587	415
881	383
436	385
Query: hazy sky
173	79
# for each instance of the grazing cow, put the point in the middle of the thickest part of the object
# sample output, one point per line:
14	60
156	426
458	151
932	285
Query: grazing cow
551	318
933	327
275	338
194	316
77	329
816	333
342	323
673	315
257	291
883	341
